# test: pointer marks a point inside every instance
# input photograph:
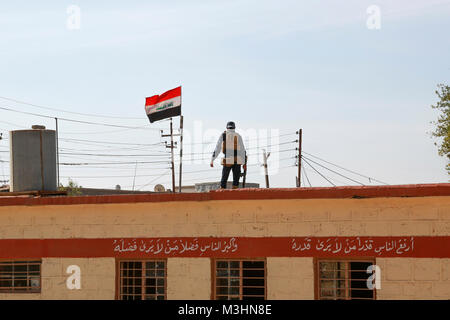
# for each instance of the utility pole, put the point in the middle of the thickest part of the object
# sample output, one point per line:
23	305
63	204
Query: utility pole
134	178
57	152
171	147
265	157
299	162
181	152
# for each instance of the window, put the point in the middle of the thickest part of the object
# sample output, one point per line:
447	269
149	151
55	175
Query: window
20	276
344	279
142	280
240	279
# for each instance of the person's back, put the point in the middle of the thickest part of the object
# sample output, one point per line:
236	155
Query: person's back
231	144
232	148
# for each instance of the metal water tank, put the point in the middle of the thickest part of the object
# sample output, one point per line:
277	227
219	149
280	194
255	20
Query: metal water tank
33	160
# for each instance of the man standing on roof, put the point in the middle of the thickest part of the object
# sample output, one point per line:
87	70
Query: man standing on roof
232	146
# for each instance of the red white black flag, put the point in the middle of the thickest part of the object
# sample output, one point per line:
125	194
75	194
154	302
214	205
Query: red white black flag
164	106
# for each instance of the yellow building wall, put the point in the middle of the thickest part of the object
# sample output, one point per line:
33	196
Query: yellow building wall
414	278
290	279
188	279
421	216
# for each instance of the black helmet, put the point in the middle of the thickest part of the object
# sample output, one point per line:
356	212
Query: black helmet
231	125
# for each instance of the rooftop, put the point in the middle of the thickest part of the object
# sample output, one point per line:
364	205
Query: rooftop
412	190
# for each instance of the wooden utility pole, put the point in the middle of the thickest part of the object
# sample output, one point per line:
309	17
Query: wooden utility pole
266	171
299	183
244	179
134	178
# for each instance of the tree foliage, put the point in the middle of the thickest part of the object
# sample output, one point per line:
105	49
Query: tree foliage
72	188
442	130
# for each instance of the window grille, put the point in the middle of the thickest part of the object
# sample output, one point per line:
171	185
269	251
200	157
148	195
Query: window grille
240	280
344	279
20	276
142	280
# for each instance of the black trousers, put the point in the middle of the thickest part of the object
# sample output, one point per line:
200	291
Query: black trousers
226	172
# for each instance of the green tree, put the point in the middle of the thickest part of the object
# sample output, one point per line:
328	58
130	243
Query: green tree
72	188
442	131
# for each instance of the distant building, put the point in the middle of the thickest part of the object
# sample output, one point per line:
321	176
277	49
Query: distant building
209	186
81	191
100	192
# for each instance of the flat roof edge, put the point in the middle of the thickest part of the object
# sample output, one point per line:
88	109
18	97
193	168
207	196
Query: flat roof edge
348	192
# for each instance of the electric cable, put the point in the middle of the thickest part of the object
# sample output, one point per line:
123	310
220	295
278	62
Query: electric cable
370	178
71	112
319	173
333	171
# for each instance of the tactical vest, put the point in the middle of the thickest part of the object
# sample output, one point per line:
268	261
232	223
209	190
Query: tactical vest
230	160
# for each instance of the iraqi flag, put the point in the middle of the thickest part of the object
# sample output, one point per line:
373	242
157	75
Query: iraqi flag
164	106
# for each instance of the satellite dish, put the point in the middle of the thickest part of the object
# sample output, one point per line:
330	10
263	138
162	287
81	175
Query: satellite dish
159	188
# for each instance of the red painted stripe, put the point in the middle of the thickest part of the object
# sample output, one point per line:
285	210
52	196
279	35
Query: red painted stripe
239	247
419	190
176	92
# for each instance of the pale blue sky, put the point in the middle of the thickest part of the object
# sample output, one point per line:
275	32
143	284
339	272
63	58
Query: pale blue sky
361	96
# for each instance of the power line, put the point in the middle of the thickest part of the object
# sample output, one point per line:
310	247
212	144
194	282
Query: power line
107	143
80	121
71	112
72	151
110	142
12	124
245	140
214	177
84	132
333	171
110	148
119	166
361	175
141	144
150	175
304	173
102	163
112	155
249	154
271	145
121	176
163	174
319	173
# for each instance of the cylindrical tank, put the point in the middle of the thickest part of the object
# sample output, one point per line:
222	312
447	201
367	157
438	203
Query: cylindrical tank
33	160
